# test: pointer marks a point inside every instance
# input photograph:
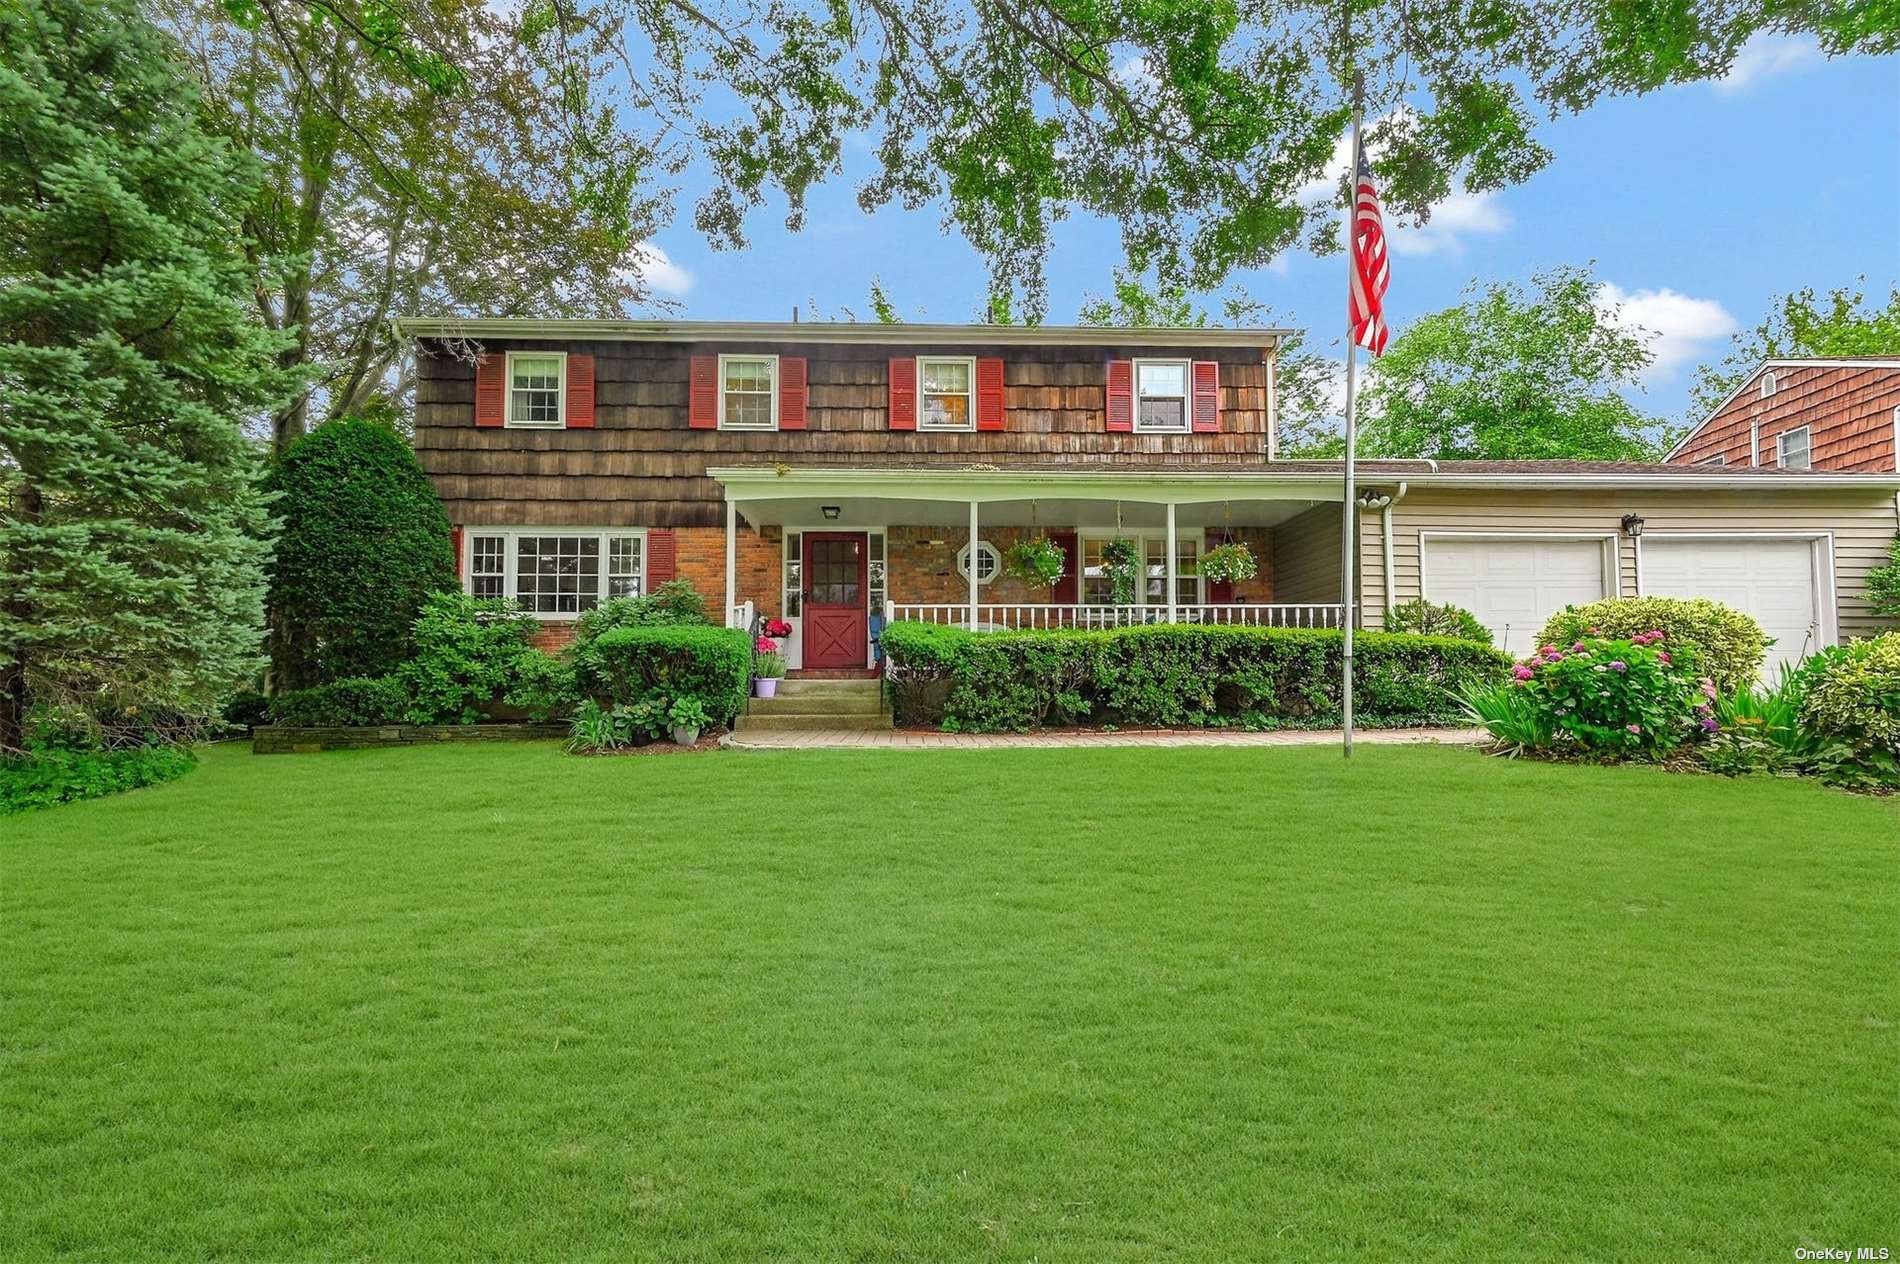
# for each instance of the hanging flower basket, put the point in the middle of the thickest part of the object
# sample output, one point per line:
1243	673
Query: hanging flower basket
1230	563
1036	561
1120	558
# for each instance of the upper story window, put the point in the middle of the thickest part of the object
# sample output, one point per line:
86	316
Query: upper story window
1791	448
1161	394
748	392
537	395
1717	459
1768	385
947	385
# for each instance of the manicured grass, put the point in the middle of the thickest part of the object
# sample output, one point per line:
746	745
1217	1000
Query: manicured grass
497	1002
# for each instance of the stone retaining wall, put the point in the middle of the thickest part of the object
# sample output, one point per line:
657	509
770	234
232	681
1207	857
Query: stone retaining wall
277	739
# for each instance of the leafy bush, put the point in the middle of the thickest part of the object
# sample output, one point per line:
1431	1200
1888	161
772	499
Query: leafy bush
673	603
247	710
360	700
1173	675
598	728
1883	584
1759	727
1851	711
543	687
1726	645
468	653
63	776
1620	697
1422	618
364	543
635	664
1514	720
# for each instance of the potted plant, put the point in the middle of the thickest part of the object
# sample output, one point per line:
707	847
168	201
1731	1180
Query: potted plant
1120	560
775	628
645	719
768	666
1229	563
1036	561
687	716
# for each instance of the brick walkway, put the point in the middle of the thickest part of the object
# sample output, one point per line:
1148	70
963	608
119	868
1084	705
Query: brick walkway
911	738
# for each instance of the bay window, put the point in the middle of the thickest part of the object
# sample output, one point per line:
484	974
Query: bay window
552	573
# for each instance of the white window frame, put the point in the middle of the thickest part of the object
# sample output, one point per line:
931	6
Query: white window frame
963	562
509	550
772	392
923	412
1187	395
1141	539
1781	448
508	405
1717	459
1768	384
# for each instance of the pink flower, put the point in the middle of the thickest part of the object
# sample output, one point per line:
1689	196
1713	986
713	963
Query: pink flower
1662	656
1708	687
1522	672
1577	648
1655	634
1594	631
765	645
1634	728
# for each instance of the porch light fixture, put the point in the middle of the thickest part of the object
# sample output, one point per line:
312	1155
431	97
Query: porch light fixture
1632	525
1373	498
831	512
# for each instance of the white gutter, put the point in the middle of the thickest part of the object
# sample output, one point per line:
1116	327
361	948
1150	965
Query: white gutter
738	332
1392	500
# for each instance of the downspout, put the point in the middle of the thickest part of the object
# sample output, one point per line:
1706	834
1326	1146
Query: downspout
1390	600
1273	401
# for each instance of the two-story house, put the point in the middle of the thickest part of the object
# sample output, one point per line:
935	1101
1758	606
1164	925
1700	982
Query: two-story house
1818	414
843	475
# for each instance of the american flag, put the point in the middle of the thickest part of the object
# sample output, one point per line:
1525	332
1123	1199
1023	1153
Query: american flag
1371	270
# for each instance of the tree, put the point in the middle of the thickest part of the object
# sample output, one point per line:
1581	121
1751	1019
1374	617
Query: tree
1508	375
1210	132
133	535
433	163
364	543
1841	324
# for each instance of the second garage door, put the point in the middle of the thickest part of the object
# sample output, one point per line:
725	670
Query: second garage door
1513	585
1770	578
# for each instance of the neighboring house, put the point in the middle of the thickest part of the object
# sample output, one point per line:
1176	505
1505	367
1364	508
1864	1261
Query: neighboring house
1805	414
838	475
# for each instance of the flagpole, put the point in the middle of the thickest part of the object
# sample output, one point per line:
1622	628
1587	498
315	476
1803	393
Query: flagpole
1349	517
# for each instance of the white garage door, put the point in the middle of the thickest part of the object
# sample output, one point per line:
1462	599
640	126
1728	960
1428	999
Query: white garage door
1771	579
1512	586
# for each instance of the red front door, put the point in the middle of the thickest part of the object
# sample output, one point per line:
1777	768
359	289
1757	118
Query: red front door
835	623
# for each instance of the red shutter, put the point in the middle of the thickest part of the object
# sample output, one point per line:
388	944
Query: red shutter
660	566
989	394
1063	591
702	394
580	392
1206	410
792	393
1121	394
903	405
455	547
490	392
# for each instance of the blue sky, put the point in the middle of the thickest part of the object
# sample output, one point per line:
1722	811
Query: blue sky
1699	204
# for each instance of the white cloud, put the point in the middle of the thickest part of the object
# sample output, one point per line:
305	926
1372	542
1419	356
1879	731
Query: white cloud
657	271
1459	216
1766	57
1676	326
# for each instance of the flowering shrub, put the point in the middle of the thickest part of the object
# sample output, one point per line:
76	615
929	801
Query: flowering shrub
1038	561
776	627
1728	646
767	662
1627	697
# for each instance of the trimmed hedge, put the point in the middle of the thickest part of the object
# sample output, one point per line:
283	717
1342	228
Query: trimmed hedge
1422	618
360	700
1727	645
45	778
627	665
1176	676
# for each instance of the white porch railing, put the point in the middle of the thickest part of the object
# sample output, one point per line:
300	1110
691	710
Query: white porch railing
740	616
1011	618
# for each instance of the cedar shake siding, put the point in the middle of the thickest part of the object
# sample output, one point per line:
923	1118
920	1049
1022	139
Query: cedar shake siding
643	464
1849	410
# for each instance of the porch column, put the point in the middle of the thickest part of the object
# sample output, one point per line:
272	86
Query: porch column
973	567
1171	610
732	559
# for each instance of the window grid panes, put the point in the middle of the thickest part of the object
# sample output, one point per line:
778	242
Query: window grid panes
874	572
623	565
1151	588
1794	449
987	561
1161	394
557	574
748	392
835	574
535	390
794	569
946	387
488	566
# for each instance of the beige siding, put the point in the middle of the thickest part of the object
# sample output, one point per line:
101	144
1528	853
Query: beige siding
1306	553
1862	524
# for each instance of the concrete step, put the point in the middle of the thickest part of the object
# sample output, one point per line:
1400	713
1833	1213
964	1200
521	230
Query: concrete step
858	703
779	723
871	687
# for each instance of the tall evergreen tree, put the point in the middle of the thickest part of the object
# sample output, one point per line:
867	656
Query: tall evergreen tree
133	535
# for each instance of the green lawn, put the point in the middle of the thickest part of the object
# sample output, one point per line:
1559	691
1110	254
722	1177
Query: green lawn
1116	1004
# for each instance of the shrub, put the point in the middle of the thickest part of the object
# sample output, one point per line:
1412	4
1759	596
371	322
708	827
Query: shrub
1851	712
637	664
1726	645
1512	717
360	700
246	710
364	543
1618	697
63	776
1883	584
673	603
468	653
598	728
1173	675
543	687
1422	618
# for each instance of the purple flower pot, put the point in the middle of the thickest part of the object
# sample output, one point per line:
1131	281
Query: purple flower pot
767	686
